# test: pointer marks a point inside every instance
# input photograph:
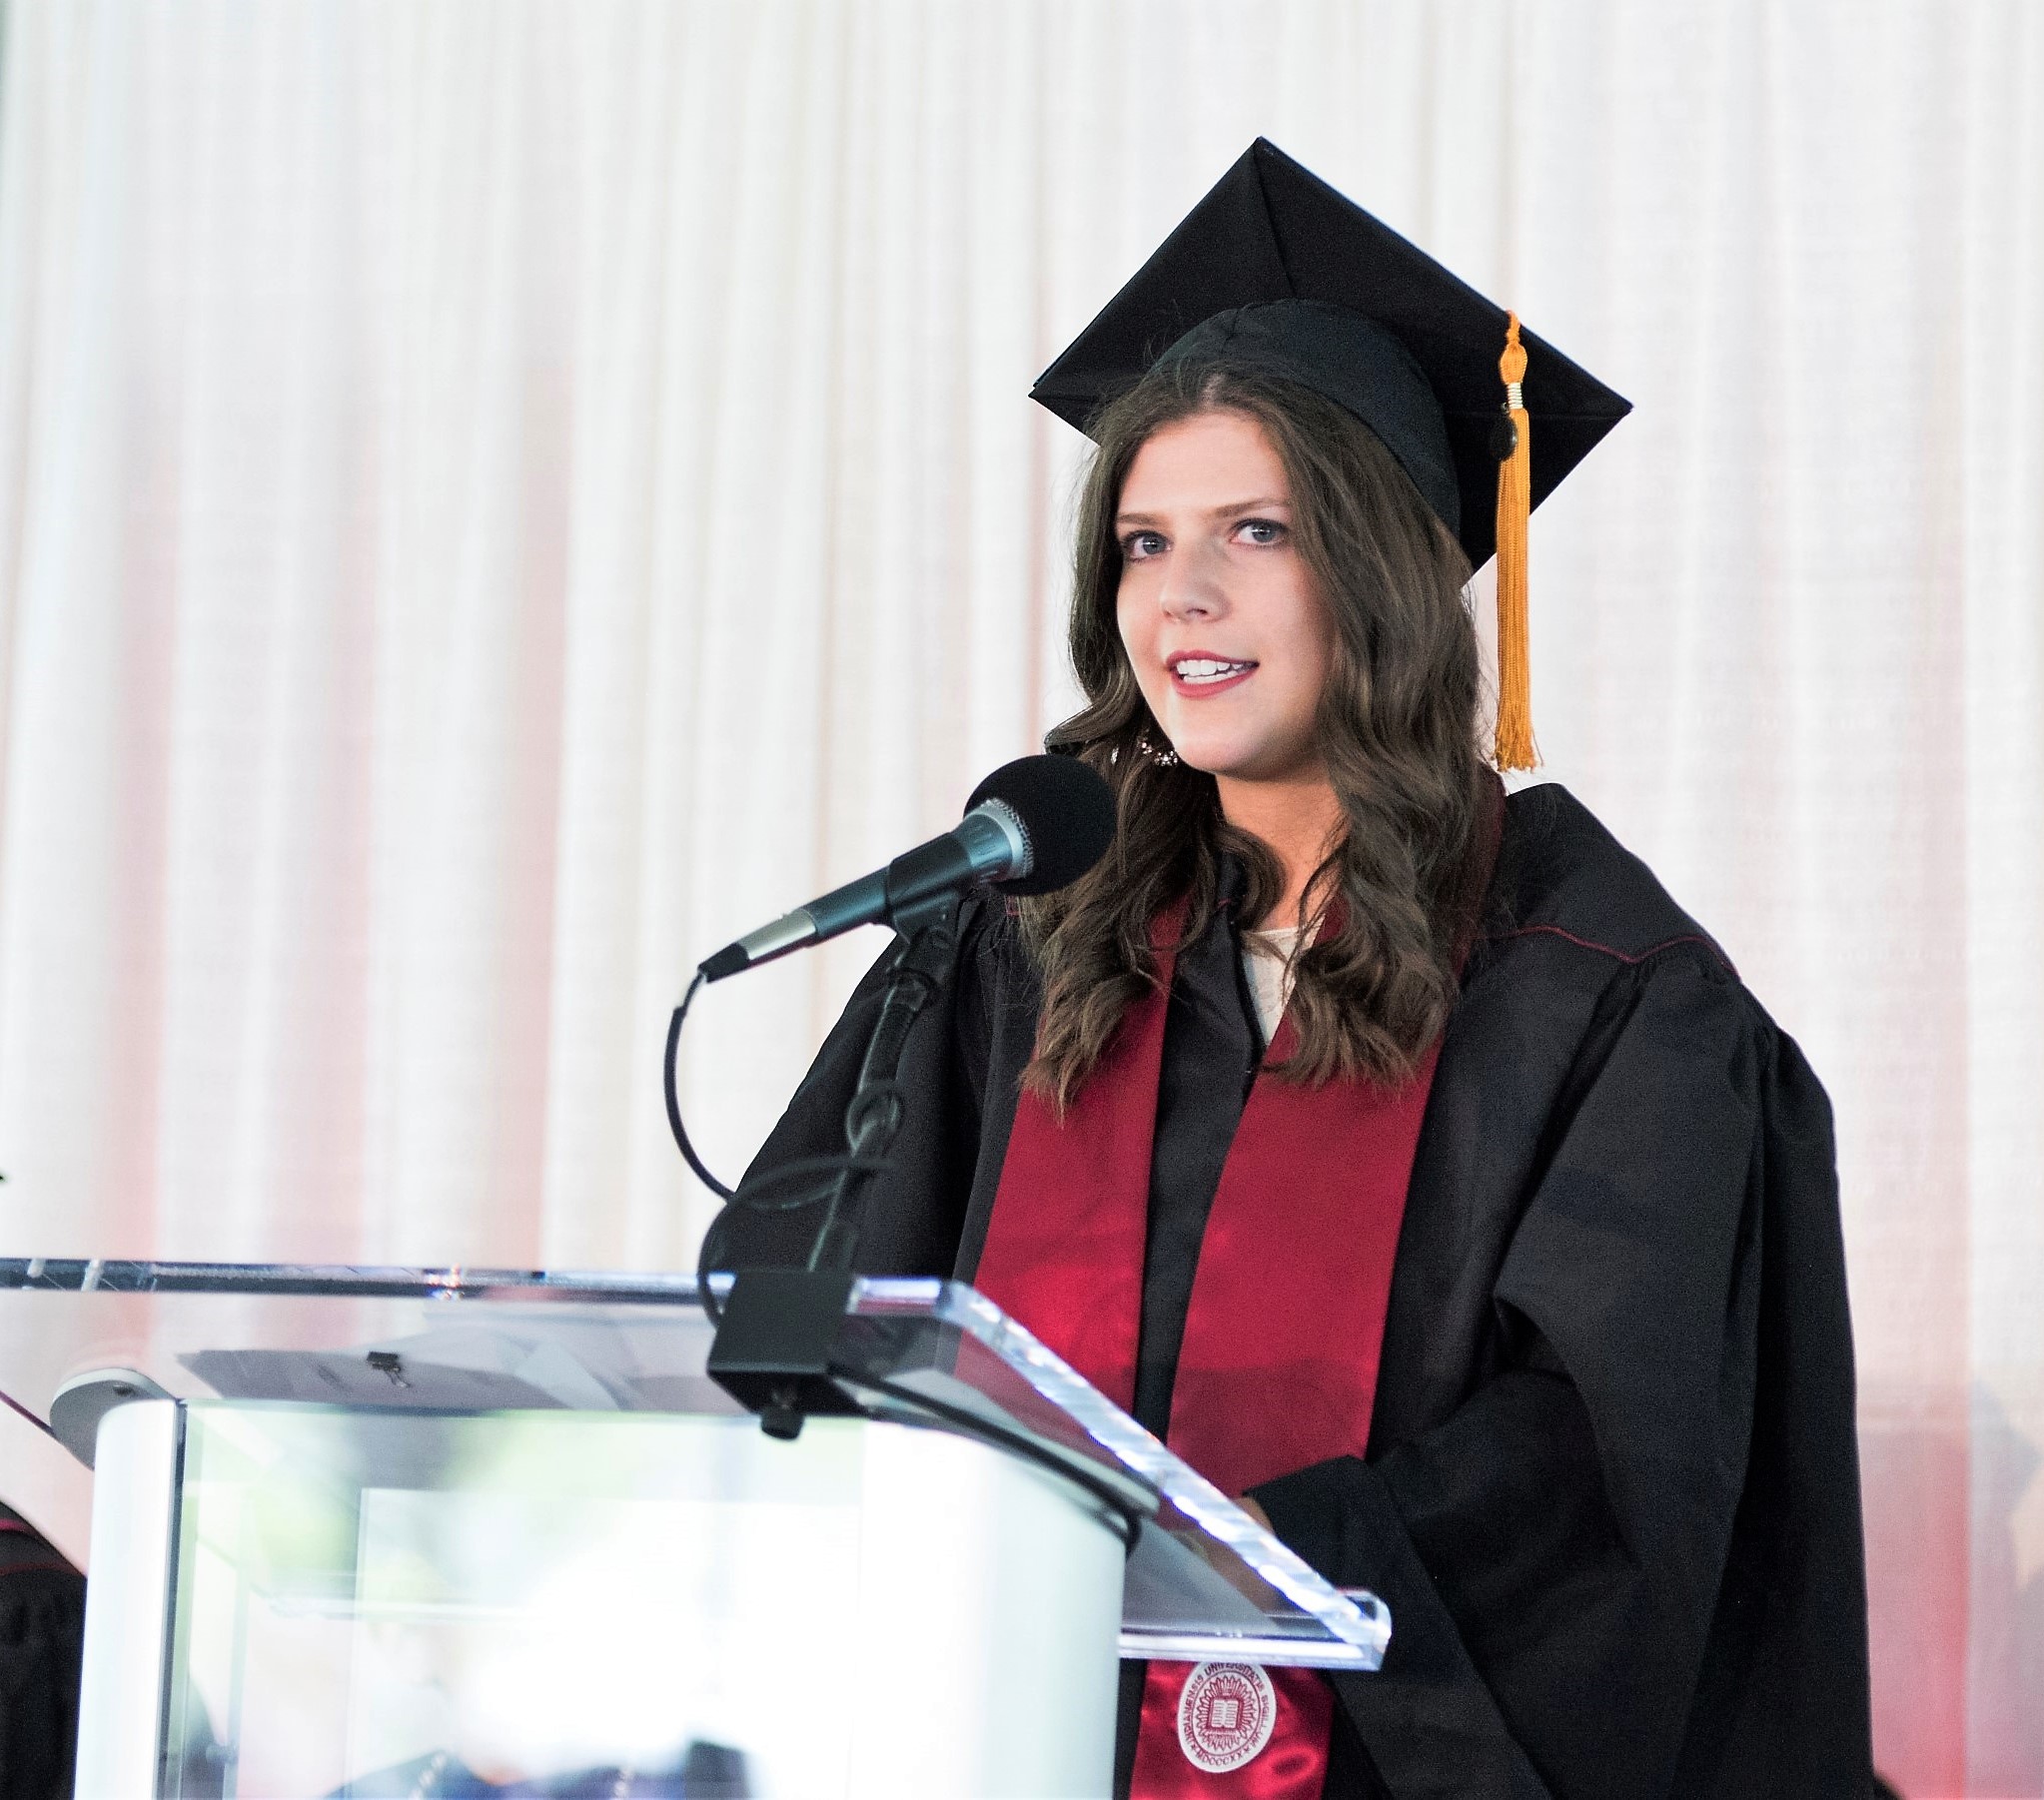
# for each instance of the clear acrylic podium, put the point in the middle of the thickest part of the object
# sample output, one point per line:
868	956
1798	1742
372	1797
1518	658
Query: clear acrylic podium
383	1532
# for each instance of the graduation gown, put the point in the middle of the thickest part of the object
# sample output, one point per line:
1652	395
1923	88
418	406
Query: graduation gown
1610	1494
42	1630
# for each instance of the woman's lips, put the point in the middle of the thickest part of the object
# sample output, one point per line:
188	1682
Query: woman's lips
1195	674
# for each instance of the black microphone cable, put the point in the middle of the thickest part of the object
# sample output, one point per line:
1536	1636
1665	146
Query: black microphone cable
672	1086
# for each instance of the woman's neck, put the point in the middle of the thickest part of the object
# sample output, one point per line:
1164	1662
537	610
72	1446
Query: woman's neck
1297	820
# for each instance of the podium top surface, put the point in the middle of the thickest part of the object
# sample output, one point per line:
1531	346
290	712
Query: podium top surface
1204	1580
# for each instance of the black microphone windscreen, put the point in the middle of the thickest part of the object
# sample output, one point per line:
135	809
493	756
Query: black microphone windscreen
1066	809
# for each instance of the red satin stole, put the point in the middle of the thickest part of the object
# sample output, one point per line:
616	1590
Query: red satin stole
1278	1368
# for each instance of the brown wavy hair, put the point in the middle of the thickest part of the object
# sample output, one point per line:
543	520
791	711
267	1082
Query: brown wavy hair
1396	729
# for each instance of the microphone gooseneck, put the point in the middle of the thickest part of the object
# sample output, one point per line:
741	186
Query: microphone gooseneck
1031	827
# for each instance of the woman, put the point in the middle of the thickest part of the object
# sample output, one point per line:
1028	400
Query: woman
1398	1150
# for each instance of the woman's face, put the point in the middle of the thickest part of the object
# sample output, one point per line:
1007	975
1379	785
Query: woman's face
1219	614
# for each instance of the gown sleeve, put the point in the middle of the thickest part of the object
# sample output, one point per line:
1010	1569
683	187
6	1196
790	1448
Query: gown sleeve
1555	1550
42	1627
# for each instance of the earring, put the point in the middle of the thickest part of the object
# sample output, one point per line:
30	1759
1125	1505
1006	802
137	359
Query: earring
1166	759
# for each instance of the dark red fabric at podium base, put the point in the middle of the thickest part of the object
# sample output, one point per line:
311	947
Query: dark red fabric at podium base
1278	1366
1292	1766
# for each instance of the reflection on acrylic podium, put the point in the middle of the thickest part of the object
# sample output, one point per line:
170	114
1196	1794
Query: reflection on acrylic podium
394	1531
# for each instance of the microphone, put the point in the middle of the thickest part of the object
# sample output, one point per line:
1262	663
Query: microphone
1031	827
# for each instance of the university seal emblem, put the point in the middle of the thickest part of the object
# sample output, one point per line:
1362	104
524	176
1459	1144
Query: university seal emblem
1225	1715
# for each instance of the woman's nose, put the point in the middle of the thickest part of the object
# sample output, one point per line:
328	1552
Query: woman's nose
1191	587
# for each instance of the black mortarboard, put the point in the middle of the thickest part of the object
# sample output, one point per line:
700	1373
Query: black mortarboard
1276	268
1270	230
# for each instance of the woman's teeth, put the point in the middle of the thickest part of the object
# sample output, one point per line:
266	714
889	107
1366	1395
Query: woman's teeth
1200	668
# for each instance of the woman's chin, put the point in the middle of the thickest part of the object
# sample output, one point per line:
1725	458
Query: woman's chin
1247	763
1206	759
1214	752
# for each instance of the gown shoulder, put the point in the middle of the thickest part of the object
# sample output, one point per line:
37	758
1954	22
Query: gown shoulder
1562	875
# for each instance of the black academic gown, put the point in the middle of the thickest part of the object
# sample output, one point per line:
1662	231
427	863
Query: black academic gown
42	1631
1612	1489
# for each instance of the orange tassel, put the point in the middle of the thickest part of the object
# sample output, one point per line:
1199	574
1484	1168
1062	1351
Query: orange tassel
1514	747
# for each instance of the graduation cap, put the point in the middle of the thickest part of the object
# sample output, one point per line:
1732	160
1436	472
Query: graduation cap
1276	269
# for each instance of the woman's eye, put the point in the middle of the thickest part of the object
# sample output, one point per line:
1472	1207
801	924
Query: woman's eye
1139	545
1261	530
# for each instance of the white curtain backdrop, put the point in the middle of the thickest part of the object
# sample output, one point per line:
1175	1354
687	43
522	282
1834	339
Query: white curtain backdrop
497	497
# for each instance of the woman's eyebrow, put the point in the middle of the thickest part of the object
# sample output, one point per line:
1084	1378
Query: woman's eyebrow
1223	511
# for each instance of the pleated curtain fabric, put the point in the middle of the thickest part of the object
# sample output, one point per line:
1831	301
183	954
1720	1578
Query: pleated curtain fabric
497	497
